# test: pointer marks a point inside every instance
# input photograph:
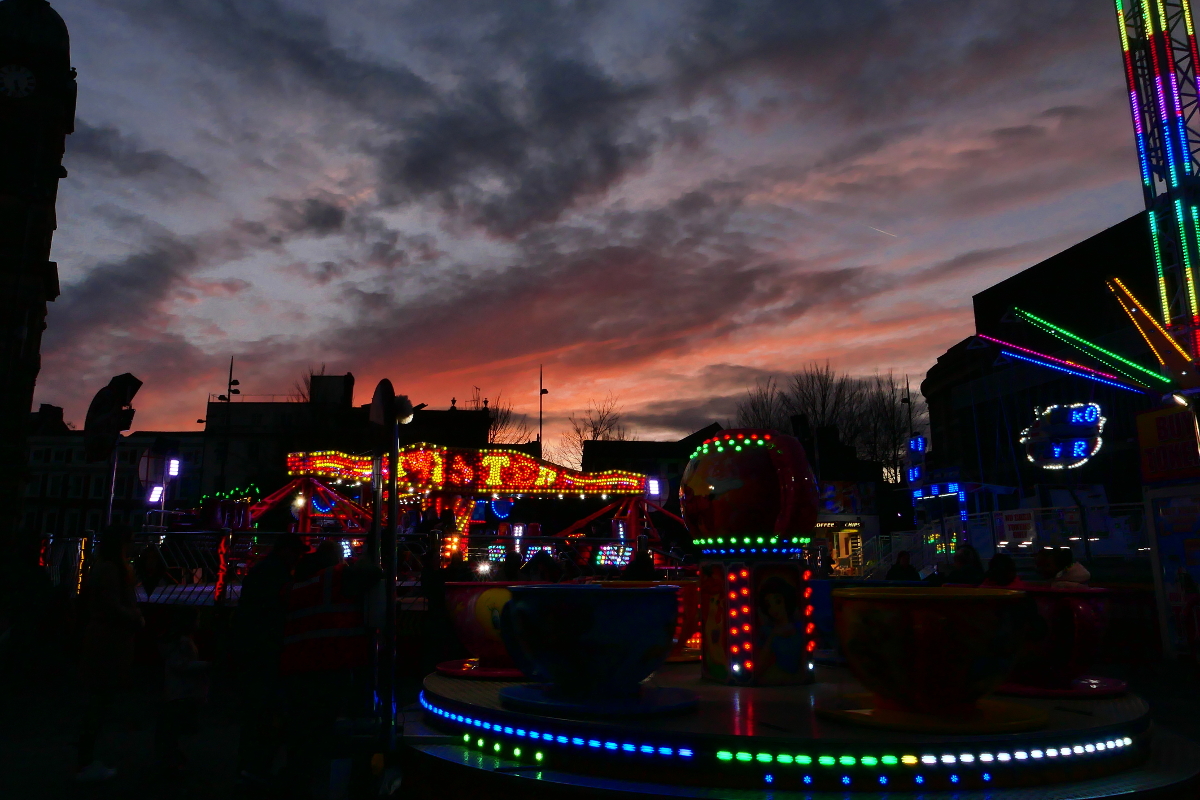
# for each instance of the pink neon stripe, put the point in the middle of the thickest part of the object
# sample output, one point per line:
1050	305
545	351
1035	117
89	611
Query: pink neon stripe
1051	358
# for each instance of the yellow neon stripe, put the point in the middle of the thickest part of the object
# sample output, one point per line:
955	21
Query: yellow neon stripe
1162	15
1153	321
1145	338
1187	16
1149	18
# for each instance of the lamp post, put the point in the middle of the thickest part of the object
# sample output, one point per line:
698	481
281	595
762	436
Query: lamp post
541	393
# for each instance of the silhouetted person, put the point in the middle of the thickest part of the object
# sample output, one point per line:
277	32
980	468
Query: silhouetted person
326	650
967	568
541	567
641	568
1045	565
902	569
258	642
512	566
1071	574
113	621
1002	573
185	688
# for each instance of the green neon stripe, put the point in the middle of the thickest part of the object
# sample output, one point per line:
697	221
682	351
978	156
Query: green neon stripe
1162	281
1112	364
1095	347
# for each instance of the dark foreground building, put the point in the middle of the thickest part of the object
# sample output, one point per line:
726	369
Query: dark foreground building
980	403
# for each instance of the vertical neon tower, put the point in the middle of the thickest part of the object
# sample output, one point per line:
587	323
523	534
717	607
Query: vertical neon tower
1158	40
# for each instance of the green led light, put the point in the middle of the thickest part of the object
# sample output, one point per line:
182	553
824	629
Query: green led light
826	761
466	737
785	759
765	758
803	759
746	540
744	757
869	761
738	448
720	540
846	761
516	752
1086	343
496	747
537	756
890	760
724	755
760	540
479	743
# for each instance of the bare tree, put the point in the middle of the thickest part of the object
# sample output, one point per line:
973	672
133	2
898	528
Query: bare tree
883	435
600	422
506	426
765	406
827	399
302	388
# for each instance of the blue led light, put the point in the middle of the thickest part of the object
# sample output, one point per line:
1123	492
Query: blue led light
665	751
808	778
610	745
562	740
883	780
1076	373
576	740
845	780
593	742
987	776
628	748
647	748
508	730
520	731
769	778
920	779
685	752
954	779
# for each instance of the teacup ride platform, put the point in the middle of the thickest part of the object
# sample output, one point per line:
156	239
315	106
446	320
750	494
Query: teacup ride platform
760	742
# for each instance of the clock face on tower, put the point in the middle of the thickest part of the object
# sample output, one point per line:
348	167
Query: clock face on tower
16	81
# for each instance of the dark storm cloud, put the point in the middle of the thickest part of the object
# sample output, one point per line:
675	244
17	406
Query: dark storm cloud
106	148
683	414
313	215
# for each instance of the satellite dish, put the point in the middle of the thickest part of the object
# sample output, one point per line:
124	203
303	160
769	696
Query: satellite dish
108	414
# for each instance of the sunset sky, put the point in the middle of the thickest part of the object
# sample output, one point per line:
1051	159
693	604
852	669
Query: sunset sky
658	200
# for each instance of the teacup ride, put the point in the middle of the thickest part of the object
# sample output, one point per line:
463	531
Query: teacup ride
912	713
475	609
1062	644
590	647
685	645
929	656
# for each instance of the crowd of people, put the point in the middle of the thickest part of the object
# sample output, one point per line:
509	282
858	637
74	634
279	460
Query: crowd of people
1056	566
299	654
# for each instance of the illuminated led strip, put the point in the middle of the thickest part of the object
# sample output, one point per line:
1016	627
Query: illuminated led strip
1086	343
1064	362
1189	276
1125	374
1135	106
1164	117
1169	51
1158	265
729	442
509	741
1076	373
558	738
1191	34
1130	295
1145	338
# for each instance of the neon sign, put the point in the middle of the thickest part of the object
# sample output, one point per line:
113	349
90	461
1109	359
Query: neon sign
1064	437
431	468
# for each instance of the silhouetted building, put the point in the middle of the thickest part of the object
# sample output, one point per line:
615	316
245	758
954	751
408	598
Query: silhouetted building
247	439
67	496
979	403
661	462
37	111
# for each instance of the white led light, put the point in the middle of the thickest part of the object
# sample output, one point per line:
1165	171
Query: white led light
1110	744
966	758
1021	755
948	759
173	467
1091	748
928	759
1077	749
1003	757
1036	753
1100	745
986	757
156	494
1127	740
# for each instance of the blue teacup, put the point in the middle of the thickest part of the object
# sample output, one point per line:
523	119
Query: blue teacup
588	641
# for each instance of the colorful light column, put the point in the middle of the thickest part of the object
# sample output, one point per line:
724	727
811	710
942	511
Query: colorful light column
1159	49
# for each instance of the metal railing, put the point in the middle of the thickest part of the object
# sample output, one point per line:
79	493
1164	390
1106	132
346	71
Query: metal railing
1117	529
